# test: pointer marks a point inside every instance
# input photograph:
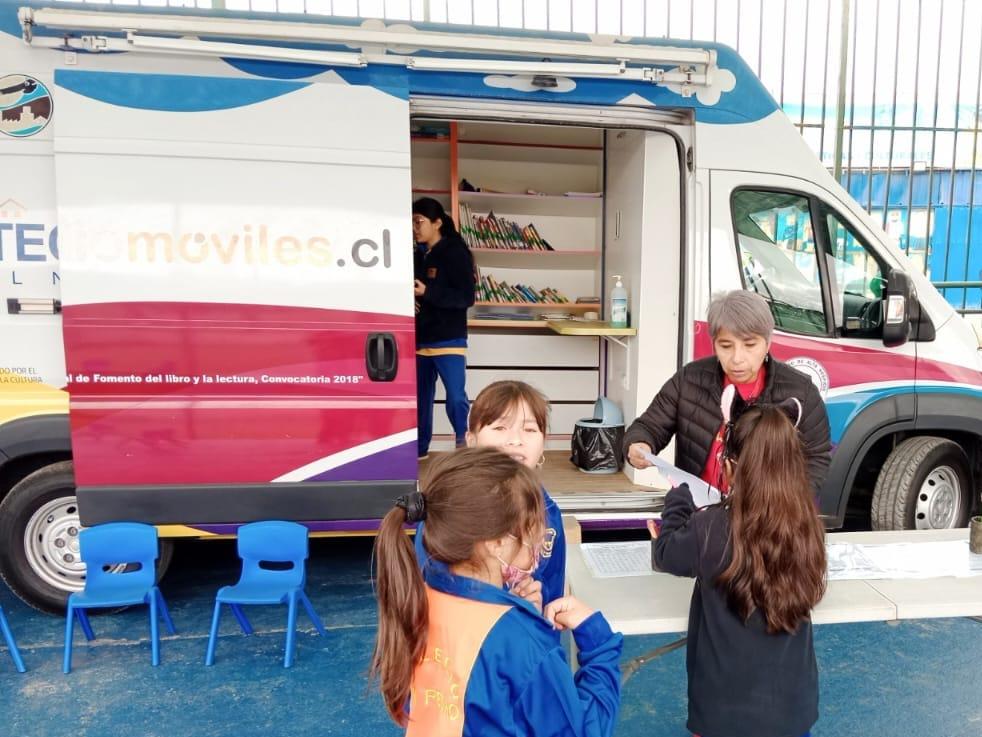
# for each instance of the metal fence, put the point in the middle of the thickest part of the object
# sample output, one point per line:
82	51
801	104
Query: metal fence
887	92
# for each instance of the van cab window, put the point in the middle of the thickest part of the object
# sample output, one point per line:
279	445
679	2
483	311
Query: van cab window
858	282
778	257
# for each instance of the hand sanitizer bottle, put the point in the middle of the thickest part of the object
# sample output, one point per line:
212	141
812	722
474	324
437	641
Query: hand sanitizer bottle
618	304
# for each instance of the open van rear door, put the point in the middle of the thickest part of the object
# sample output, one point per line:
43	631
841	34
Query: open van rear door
236	267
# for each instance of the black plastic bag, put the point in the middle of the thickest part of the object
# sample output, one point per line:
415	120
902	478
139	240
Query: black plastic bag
597	448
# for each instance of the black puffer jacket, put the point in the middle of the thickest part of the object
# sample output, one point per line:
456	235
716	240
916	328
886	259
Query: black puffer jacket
688	408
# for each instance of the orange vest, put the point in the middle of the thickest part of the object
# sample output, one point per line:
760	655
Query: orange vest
457	630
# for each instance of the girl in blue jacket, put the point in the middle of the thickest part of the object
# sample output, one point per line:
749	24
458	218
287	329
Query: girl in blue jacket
458	654
513	417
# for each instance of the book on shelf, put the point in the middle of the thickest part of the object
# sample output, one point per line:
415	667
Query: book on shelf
494	232
489	289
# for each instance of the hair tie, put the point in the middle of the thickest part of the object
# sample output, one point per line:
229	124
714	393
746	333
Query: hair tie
792	409
415	506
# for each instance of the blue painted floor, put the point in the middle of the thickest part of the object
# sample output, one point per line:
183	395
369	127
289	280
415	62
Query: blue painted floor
921	679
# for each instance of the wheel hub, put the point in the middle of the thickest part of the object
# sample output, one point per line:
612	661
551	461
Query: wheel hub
51	544
938	500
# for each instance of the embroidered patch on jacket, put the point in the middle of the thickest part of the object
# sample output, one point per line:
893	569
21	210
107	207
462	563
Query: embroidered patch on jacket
548	542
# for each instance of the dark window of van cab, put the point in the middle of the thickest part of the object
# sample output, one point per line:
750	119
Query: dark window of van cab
858	282
779	259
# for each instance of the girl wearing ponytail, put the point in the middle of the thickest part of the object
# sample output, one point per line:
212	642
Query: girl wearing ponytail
456	653
759	563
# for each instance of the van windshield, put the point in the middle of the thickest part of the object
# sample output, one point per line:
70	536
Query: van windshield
778	257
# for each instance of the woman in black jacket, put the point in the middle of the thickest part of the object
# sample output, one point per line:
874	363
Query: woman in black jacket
444	289
688	406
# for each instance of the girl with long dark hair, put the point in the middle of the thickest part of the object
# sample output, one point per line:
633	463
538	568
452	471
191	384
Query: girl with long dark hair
456	653
759	563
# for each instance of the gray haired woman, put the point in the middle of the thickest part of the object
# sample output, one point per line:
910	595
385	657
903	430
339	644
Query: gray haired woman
688	406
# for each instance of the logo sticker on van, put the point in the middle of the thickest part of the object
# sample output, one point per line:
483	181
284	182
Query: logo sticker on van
25	106
813	370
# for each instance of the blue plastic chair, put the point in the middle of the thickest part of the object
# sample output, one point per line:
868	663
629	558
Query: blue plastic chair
261	544
11	643
109	583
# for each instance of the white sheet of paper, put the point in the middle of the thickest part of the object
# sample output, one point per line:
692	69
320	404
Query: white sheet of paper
702	493
615	560
902	560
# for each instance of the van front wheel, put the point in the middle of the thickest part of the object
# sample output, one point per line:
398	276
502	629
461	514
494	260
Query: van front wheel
925	484
39	527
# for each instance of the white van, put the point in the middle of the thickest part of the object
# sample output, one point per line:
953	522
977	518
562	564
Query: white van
205	252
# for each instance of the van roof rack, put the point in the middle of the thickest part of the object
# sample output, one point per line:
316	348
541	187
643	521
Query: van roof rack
188	34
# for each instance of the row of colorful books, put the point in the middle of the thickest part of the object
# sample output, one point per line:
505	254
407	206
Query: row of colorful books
492	231
490	289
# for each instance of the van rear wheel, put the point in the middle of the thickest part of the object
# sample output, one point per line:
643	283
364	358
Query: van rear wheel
39	527
925	484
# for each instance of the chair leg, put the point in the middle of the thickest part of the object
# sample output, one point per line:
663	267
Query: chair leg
291	629
213	634
241	617
154	630
83	619
168	622
69	631
11	643
318	624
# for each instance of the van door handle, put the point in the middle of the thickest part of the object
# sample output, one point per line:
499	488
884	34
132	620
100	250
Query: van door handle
381	357
33	306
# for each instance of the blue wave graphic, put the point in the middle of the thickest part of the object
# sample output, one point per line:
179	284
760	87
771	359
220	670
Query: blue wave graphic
173	93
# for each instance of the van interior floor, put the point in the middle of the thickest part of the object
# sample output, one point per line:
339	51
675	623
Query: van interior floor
575	491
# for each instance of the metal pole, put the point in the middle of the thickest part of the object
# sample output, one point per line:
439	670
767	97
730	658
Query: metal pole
840	109
975	168
893	119
913	136
804	66
954	149
934	139
872	112
825	79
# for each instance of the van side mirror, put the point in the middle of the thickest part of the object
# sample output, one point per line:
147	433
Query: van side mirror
896	308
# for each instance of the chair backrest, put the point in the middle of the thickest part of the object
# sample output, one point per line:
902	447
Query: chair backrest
277	542
118	550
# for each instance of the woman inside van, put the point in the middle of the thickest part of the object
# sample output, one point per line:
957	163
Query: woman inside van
688	406
444	289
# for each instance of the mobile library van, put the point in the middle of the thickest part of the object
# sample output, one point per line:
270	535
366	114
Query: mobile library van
206	260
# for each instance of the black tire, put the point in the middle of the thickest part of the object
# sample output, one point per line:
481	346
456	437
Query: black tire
45	584
926	482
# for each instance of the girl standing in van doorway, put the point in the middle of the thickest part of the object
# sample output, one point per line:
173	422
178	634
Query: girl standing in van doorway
456	654
759	563
444	289
513	417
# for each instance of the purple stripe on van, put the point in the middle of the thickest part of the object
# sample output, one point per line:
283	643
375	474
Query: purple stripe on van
393	464
340	525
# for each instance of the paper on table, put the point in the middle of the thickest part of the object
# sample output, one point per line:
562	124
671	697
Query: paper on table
702	493
902	560
614	560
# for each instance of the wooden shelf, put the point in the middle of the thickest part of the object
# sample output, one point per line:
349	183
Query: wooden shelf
430	148
557	306
508	324
520	258
445	192
592	327
496	151
526	144
532	204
